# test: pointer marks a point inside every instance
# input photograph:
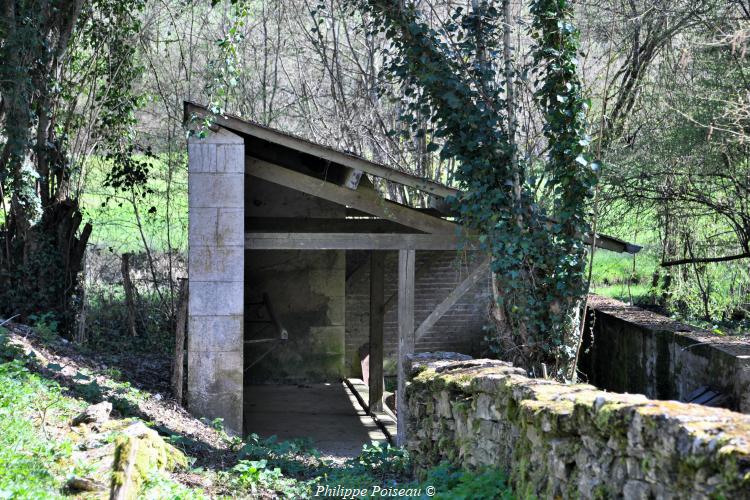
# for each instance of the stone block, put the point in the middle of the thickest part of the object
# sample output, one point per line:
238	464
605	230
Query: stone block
215	386
215	333
637	490
227	406
216	190
201	157
216	263
202	227
208	298
230	227
230	158
216	372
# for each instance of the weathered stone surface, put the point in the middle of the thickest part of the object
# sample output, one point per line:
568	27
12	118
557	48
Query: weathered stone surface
573	441
206	190
217	264
214	333
88	484
220	263
662	358
216	298
94	414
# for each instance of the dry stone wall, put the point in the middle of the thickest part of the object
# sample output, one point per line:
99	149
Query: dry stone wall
572	441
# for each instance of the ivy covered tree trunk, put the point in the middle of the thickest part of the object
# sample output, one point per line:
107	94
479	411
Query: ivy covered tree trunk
44	116
454	74
39	268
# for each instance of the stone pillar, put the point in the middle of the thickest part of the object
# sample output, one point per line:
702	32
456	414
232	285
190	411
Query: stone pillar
216	277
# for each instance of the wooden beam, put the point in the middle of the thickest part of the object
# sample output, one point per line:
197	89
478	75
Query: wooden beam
323	225
363	199
349	241
479	273
348	160
377	285
406	263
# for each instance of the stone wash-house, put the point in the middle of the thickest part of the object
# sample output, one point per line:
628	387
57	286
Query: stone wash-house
290	249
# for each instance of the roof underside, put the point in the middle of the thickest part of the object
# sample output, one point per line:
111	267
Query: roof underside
300	164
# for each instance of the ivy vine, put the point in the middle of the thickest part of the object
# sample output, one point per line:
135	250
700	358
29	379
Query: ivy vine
451	74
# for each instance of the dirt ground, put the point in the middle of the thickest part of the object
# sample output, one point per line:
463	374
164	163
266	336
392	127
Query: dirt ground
329	414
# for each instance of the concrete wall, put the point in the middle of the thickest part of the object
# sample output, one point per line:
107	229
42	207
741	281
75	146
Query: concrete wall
662	358
572	441
437	274
306	289
216	267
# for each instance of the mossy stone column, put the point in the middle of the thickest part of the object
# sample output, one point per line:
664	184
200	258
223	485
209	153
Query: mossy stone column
216	277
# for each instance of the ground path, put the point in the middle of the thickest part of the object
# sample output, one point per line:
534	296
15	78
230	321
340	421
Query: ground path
329	414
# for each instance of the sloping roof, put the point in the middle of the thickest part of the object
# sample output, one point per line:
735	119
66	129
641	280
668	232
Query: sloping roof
338	156
354	162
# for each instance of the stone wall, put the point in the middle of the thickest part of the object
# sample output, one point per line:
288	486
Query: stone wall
662	358
572	441
216	238
437	275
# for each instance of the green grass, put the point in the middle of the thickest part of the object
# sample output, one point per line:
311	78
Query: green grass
32	465
113	214
36	457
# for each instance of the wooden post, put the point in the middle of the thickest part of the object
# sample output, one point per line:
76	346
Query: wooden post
406	264
377	268
127	284
179	346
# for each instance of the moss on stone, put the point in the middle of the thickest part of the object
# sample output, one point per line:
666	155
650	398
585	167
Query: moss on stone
137	456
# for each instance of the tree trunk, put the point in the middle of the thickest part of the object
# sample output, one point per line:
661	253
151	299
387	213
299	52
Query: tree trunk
40	265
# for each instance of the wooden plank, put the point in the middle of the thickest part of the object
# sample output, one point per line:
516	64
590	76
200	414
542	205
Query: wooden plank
178	363
377	286
305	146
479	273
349	241
323	225
406	263
366	200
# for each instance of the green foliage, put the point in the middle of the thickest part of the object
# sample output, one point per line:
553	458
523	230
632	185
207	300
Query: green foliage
224	71
451	483
45	325
265	463
68	85
161	206
160	487
33	467
252	476
449	76
285	454
681	167
383	460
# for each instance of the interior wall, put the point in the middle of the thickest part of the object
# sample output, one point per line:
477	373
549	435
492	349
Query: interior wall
306	289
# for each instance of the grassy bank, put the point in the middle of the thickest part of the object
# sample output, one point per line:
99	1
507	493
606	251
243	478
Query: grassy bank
41	390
